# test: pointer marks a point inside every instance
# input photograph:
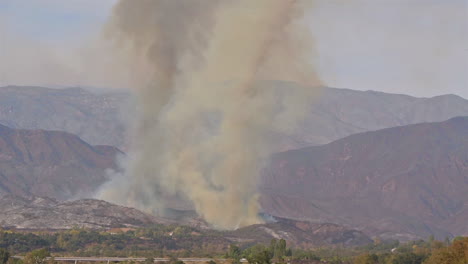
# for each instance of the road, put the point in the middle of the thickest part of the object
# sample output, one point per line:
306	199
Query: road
116	259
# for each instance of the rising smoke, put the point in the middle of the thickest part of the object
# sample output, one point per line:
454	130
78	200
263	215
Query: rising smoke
205	116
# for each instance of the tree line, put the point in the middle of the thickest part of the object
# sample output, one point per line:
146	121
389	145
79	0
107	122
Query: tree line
176	242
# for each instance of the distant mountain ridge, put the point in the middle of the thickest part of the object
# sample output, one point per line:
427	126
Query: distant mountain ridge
406	182
51	163
338	113
94	117
98	118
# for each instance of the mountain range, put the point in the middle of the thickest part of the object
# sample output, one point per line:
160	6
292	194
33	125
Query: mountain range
403	180
338	113
100	118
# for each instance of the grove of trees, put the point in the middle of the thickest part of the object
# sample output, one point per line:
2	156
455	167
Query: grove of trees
175	242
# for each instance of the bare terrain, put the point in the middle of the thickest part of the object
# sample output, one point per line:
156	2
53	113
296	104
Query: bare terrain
403	182
37	213
51	163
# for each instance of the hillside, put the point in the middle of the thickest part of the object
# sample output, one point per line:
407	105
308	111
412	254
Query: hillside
334	113
38	213
47	213
405	182
51	163
300	234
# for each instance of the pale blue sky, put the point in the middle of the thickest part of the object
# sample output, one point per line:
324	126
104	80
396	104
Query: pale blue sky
55	20
417	47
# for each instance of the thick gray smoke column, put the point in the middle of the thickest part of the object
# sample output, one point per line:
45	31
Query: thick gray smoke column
205	117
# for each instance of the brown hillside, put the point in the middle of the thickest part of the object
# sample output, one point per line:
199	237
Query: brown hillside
51	163
404	182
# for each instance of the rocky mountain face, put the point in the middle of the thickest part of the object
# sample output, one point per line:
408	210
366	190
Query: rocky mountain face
97	118
36	213
404	182
51	163
46	213
301	234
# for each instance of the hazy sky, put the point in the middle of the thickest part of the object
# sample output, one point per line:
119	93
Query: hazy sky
417	47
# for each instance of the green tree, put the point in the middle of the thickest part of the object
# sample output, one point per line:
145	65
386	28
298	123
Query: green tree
259	257
457	253
38	256
174	260
234	252
300	254
408	258
277	249
4	256
447	241
366	259
281	248
273	245
431	238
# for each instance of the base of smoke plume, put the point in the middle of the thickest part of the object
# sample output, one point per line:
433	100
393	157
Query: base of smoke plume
120	180
267	218
184	216
182	213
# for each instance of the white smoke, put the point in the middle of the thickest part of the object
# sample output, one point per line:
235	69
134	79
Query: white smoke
205	116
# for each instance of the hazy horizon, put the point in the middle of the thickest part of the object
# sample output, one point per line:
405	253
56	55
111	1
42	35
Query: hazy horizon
390	49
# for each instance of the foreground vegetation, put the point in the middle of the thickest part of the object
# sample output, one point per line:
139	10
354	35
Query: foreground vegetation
176	241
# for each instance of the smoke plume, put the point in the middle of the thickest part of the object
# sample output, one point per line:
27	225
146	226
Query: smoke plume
205	117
